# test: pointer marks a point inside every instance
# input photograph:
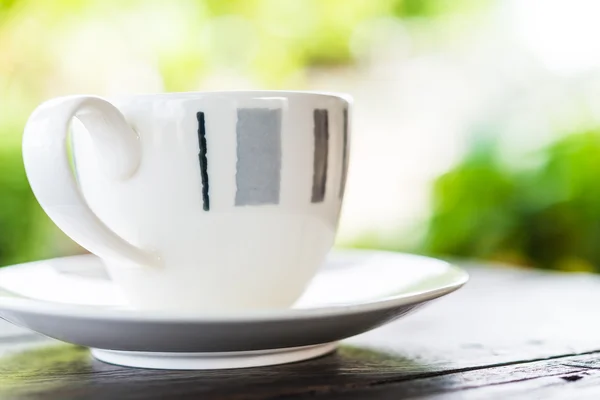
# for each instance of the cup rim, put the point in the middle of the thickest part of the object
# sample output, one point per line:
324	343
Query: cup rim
237	93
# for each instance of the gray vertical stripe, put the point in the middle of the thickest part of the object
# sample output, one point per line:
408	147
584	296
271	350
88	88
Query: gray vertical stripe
321	150
258	174
344	155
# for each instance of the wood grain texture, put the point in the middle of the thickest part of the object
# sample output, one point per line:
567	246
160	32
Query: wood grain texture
508	334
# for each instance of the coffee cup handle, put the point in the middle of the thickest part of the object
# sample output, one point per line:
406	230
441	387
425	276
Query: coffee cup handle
52	179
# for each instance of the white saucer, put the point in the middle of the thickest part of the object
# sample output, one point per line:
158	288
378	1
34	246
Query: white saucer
71	299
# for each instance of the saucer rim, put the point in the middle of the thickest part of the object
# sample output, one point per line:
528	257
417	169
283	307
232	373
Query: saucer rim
33	306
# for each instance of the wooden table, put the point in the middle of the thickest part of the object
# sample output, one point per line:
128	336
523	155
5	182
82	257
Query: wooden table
508	334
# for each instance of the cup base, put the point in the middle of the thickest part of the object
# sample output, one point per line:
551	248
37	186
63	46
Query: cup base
220	360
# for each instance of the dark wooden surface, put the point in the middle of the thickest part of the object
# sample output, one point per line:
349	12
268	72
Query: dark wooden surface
508	334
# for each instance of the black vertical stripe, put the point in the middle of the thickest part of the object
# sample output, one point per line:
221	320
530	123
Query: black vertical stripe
320	154
203	160
344	155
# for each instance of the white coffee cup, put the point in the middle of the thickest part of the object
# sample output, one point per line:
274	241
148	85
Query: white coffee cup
215	201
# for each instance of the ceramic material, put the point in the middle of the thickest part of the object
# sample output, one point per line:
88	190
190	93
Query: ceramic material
353	293
205	201
217	360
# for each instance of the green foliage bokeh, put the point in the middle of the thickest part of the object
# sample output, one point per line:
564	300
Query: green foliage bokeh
547	215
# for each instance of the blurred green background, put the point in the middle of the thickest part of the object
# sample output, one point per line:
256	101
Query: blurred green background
476	122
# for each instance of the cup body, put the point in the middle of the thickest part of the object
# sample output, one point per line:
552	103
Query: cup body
238	193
